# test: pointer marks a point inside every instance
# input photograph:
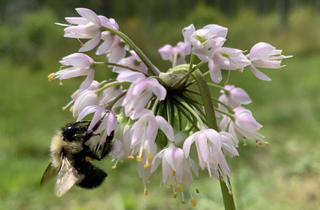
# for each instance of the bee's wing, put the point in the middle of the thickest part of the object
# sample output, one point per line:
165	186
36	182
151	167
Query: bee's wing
48	174
67	177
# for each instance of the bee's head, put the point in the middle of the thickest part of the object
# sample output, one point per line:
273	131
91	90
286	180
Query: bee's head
73	132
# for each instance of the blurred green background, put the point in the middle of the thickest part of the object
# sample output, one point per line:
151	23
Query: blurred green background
284	175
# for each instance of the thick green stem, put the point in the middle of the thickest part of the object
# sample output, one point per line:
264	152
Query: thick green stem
212	123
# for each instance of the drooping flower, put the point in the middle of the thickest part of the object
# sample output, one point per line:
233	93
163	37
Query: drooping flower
233	97
264	55
204	38
178	52
75	65
144	169
108	124
139	95
86	98
177	168
134	62
146	129
244	124
228	59
209	144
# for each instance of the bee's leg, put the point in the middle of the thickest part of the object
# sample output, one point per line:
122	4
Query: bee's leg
106	146
90	133
81	122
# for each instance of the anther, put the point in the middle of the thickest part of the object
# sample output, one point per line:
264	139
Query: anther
174	195
222	180
50	77
145	191
138	158
64	108
150	156
197	190
245	144
130	157
114	167
173	172
193	202
230	192
71	108
147	165
179	187
267	143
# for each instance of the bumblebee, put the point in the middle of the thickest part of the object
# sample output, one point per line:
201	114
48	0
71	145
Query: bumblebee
71	153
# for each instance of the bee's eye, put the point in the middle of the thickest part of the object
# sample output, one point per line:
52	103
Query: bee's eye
72	133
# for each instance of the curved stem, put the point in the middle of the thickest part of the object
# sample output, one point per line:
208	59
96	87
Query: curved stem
119	65
212	123
134	47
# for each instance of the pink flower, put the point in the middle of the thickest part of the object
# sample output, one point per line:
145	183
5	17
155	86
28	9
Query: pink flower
209	144
109	122
180	51
228	59
265	55
204	38
233	97
144	169
77	64
146	129
89	26
110	94
244	124
86	98
175	167
139	94
133	61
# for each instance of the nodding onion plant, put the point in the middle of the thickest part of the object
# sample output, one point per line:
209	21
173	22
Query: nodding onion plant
177	101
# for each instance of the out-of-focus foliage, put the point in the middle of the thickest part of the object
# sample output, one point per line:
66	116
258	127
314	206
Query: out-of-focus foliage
284	175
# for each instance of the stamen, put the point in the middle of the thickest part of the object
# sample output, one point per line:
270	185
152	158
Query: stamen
230	192
222	180
145	191
147	165
260	143
245	144
280	68
50	77
71	108
257	146
143	153
171	186
150	156
179	187
60	83
114	167
130	157
174	194
138	159
193	202
267	143
173	172
197	190
239	69
183	202
64	108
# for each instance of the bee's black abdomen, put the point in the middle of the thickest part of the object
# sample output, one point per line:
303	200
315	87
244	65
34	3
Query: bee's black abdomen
93	176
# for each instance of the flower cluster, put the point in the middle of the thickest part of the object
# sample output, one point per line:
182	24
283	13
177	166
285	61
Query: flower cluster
160	115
